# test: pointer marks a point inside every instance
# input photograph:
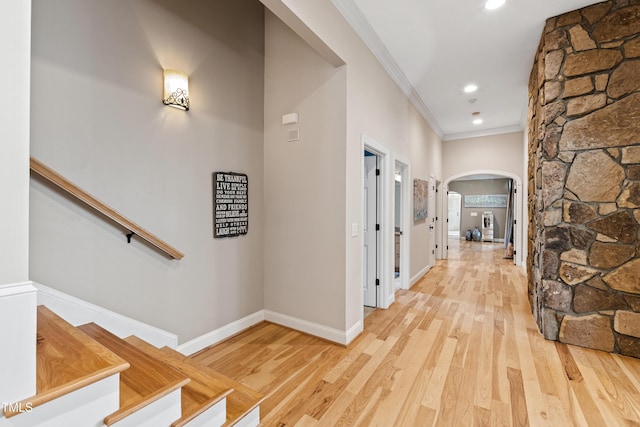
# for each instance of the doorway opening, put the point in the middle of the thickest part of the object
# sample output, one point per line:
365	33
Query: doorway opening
401	210
454	201
497	194
397	227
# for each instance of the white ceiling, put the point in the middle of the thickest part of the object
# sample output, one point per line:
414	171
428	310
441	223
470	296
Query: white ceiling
432	49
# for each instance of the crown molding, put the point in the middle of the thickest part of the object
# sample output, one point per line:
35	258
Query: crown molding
483	132
363	28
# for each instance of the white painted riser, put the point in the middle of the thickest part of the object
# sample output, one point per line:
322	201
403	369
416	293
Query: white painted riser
160	413
212	417
252	419
85	407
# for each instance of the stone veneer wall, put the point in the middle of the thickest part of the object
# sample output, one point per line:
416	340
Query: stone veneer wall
584	170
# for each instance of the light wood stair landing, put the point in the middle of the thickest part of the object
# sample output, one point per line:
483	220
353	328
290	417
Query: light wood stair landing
146	380
241	400
200	394
66	360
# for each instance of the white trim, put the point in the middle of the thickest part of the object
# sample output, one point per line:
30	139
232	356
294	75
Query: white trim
330	334
17	289
390	299
484	132
405	222
431	219
354	331
18	337
214	337
78	312
386	236
419	276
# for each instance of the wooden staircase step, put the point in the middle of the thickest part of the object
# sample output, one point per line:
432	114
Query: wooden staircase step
147	379
200	394
241	402
66	360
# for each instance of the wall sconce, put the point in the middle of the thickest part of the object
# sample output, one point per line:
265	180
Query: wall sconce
176	89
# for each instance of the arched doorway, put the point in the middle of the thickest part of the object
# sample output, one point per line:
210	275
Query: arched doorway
519	240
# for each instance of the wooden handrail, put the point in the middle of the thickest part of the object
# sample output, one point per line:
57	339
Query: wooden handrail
77	192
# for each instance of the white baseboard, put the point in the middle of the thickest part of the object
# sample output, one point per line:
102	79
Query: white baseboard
418	276
227	331
78	312
354	331
220	334
390	299
329	334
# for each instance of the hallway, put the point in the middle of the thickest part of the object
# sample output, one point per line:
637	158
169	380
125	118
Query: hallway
459	348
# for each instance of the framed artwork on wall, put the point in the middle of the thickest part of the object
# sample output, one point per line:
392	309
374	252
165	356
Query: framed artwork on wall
420	199
485	201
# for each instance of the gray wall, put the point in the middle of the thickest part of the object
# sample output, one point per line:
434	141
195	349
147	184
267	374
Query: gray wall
304	186
485	186
97	118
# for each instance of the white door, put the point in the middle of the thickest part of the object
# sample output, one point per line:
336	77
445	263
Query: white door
516	236
431	220
369	230
447	217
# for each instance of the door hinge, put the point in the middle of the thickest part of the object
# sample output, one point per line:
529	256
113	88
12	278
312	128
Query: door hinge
436	190
377	282
436	246
377	172
436	218
377	227
433	252
515	190
447	247
515	221
515	252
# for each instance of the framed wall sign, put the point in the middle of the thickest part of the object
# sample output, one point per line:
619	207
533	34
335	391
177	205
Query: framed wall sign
230	204
485	201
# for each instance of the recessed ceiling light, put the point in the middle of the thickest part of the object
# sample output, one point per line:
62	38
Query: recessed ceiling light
470	88
477	121
493	4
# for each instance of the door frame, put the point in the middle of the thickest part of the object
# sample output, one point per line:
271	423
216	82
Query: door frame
440	220
431	221
385	294
370	233
405	220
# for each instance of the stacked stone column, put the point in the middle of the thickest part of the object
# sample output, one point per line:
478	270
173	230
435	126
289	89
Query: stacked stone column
584	170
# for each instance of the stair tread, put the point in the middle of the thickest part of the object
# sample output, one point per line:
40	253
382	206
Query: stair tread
147	378
200	394
239	403
67	359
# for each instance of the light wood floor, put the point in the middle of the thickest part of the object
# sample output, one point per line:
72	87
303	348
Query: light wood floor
458	349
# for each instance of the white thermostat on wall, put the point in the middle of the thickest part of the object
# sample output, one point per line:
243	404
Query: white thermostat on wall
474	213
289	119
